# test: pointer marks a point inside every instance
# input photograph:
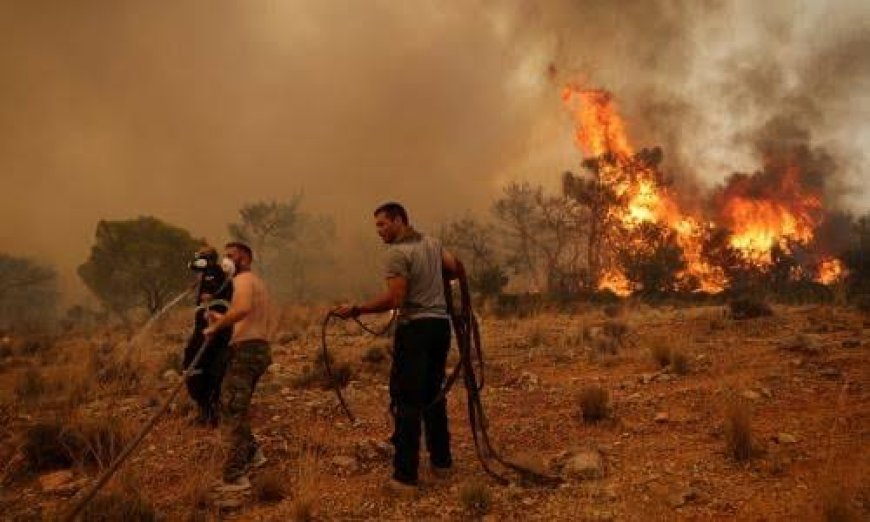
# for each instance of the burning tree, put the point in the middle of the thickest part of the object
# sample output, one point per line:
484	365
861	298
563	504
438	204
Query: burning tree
763	228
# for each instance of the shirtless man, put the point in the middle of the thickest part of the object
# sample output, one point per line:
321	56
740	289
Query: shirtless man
249	357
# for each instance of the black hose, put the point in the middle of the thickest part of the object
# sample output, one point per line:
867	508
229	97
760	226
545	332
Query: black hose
470	365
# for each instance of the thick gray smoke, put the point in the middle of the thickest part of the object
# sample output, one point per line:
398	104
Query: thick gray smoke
186	110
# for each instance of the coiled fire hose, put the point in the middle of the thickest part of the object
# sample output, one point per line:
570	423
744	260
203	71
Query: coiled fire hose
471	367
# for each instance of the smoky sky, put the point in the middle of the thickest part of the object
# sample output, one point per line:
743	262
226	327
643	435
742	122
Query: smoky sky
186	110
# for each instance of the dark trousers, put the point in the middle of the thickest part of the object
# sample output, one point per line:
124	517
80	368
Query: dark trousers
205	387
419	356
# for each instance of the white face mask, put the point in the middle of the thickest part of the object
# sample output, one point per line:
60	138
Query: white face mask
228	266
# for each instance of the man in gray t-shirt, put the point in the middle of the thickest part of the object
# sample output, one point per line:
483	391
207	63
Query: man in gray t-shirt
415	270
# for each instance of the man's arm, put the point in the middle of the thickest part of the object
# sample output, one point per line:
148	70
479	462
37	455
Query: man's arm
449	264
240	306
393	298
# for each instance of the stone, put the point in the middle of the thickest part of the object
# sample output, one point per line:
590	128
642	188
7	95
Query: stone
801	344
852	343
662	417
171	375
683	498
56	481
786	438
830	372
345	463
274	368
228	504
528	381
752	395
586	465
531	461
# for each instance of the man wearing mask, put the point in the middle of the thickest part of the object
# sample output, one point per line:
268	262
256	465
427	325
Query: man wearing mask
214	293
415	270
249	357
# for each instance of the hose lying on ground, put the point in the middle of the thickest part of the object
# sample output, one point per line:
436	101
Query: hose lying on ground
471	367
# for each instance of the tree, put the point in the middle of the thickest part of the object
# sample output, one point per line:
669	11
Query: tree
138	263
544	234
28	292
291	247
602	193
652	258
857	256
473	243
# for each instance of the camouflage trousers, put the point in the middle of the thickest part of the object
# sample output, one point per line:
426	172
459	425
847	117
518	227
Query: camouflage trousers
248	361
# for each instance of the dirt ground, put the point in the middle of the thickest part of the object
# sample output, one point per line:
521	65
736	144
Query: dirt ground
661	453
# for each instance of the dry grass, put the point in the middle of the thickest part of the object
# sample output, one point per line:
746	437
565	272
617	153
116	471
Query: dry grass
836	506
679	362
47	446
594	404
270	486
748	308
123	501
31	386
306	487
475	498
738	431
61	444
376	354
661	354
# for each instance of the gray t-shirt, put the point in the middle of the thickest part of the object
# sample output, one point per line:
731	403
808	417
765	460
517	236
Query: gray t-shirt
417	258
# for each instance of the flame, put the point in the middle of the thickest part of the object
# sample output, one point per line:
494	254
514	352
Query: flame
600	132
769	209
616	282
777	212
831	271
599	128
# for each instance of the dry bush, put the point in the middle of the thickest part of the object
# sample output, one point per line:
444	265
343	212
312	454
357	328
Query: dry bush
862	302
7	414
171	361
56	445
661	354
604	345
306	487
679	362
836	506
738	431
748	308
35	346
376	355
537	336
613	310
46	446
31	386
100	441
318	376
475	497
270	486
127	504
616	330
120	374
594	404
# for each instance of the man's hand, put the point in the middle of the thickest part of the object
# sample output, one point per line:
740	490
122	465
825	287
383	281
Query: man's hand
214	319
346	311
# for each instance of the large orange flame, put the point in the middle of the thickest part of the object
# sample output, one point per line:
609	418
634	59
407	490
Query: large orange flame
599	132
